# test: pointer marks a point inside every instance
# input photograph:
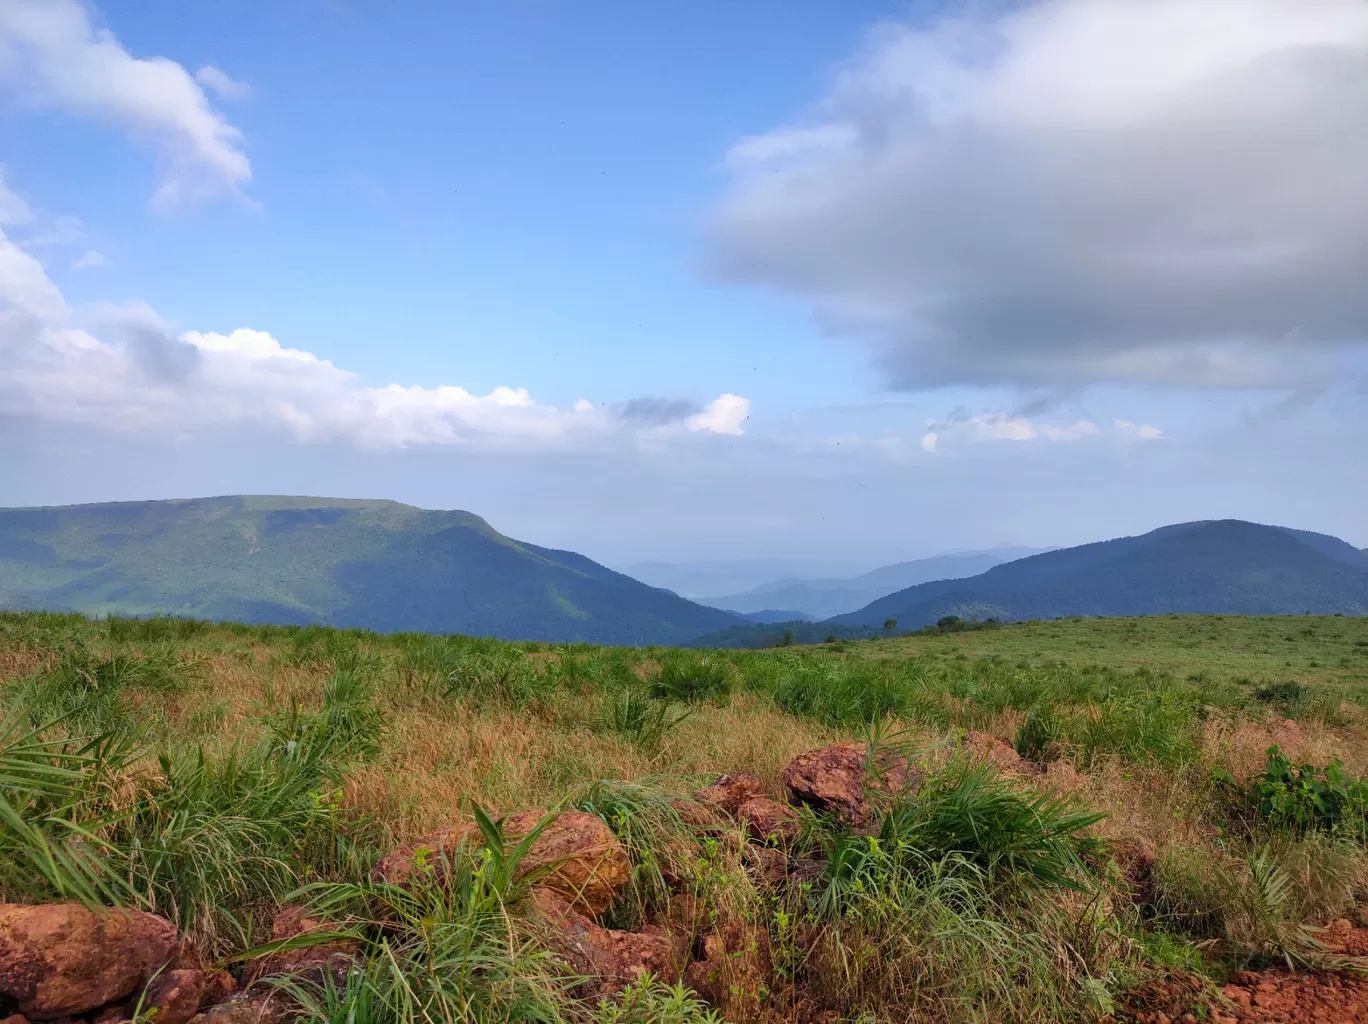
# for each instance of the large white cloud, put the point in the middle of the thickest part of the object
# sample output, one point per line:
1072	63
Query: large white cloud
123	368
52	56
1157	191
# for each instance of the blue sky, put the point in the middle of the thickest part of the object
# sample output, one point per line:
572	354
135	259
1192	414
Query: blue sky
841	282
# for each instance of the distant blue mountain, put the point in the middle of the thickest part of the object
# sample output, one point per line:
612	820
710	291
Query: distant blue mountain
1225	566
823	598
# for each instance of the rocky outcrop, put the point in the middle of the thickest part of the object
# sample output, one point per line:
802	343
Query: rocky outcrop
585	861
609	958
838	779
63	959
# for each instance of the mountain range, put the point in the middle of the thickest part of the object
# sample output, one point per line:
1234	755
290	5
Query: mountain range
823	598
1225	566
390	567
373	564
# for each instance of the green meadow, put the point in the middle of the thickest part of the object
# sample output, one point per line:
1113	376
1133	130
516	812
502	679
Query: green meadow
1096	806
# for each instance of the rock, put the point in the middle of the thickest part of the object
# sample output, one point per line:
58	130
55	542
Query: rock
768	820
766	864
110	1014
219	987
984	747
14	1018
173	997
701	818
734	973
61	959
292	921
264	1005
333	958
834	779
730	791
611	959
587	863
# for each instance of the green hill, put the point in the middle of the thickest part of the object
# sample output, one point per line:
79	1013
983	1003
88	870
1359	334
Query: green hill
1219	567
340	562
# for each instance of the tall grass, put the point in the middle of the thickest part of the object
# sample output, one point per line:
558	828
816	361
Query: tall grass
446	950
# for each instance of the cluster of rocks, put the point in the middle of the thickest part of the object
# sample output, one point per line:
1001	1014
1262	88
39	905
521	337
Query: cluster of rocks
69	964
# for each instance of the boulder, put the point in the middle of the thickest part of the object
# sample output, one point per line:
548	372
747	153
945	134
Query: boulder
609	958
173	997
836	779
768	821
587	863
730	791
63	959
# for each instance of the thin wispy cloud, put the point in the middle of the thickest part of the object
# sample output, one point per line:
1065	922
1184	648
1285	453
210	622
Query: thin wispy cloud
53	57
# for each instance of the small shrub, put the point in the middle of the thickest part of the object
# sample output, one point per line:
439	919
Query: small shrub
1288	698
692	676
1304	798
647	1001
632	714
1037	735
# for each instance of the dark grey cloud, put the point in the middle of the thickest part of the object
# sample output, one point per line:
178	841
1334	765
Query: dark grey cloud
156	352
658	412
1152	191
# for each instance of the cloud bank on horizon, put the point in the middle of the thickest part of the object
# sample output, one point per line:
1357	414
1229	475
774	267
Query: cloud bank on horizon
1153	192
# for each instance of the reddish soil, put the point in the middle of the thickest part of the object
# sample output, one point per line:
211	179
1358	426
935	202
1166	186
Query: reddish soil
1273	996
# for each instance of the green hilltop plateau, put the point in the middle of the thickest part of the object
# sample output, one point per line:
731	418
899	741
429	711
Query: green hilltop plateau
289	560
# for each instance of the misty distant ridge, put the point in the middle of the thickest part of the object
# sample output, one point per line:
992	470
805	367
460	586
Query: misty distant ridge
391	567
824	598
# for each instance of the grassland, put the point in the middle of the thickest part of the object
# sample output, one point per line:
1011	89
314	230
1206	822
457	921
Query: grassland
215	773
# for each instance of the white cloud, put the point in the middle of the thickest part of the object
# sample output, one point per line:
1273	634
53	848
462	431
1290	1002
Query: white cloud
723	415
212	78
13	208
1001	426
52	56
1055	194
88	259
123	367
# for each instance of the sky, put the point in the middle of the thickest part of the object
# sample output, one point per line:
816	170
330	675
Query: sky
832	283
